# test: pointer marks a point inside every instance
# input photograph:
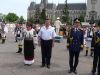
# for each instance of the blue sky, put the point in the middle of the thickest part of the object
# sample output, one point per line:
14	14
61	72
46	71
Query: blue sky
20	6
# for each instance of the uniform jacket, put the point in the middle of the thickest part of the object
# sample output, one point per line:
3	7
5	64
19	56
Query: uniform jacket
96	41
75	39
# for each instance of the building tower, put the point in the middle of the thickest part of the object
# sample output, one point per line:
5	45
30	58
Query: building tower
44	3
93	9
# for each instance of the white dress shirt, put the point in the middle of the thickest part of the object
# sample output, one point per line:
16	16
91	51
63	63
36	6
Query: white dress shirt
47	34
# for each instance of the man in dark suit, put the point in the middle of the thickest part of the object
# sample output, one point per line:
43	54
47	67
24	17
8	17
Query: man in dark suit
75	45
95	44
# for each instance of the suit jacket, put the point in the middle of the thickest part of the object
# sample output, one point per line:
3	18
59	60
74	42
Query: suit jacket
75	39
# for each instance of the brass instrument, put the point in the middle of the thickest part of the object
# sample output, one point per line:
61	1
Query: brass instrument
97	40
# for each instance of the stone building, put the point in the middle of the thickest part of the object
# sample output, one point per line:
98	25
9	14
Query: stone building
93	10
34	8
75	9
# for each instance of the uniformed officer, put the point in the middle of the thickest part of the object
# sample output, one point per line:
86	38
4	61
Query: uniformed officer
75	45
95	44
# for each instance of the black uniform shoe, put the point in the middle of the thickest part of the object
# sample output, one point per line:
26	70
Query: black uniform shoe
42	66
16	41
75	72
70	71
93	73
19	52
48	66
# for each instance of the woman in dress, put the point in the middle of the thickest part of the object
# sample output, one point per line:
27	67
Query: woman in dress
29	44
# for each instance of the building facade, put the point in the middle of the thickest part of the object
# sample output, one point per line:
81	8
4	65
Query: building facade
75	9
93	9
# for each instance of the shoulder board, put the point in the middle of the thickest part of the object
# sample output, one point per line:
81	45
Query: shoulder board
72	29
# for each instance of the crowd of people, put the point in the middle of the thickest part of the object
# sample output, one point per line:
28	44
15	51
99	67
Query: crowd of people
77	37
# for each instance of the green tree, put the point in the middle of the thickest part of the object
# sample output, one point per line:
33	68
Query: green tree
31	20
11	17
65	16
43	16
98	22
21	20
81	18
2	16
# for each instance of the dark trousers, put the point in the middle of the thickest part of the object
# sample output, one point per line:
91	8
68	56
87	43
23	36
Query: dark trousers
99	65
95	61
73	64
46	50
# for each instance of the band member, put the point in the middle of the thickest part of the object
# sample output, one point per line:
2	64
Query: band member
95	45
46	40
3	32
57	25
29	44
19	37
18	29
86	46
75	45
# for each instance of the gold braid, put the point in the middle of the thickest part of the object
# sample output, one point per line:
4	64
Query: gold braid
69	36
96	38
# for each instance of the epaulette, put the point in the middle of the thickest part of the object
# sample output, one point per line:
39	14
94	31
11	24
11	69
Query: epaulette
81	29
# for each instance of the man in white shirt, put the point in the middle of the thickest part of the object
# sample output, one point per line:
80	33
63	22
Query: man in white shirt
46	40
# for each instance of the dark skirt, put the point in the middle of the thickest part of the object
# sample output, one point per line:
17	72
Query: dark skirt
28	50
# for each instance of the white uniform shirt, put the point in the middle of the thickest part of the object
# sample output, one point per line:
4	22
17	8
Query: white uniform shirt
57	24
47	34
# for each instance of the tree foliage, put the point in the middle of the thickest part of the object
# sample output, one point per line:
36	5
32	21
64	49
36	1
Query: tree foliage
11	17
81	18
43	16
31	20
21	20
65	16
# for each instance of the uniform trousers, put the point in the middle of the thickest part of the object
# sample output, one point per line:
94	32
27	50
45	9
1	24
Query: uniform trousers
96	62
73	63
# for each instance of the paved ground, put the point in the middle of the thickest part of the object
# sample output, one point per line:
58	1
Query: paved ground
12	63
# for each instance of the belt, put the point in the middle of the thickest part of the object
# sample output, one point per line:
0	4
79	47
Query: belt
28	38
46	40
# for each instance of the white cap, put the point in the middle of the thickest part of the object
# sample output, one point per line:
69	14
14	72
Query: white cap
58	18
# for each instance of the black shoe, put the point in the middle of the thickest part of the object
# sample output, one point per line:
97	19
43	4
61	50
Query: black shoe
91	55
42	66
70	71
48	66
75	72
85	55
19	52
16	41
27	64
92	73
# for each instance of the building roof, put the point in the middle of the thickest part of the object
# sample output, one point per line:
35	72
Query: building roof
73	6
37	6
31	7
51	6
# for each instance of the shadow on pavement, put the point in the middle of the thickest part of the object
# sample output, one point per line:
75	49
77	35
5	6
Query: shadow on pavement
63	72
